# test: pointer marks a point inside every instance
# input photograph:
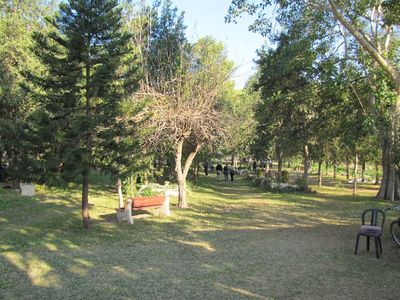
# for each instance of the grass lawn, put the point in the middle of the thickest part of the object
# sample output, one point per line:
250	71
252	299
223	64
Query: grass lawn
235	242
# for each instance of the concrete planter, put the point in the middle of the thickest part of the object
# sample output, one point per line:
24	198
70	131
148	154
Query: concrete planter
27	189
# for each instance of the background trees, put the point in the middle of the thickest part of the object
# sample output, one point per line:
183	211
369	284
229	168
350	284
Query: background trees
326	90
18	19
359	29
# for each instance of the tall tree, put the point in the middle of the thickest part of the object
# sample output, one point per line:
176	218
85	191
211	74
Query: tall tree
374	26
89	70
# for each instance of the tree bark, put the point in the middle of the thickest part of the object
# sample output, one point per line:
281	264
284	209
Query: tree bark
376	173
390	184
319	173
347	171
85	199
280	163
88	149
120	196
363	171
334	170
182	173
355	174
305	174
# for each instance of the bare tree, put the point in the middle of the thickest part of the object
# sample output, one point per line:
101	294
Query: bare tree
186	111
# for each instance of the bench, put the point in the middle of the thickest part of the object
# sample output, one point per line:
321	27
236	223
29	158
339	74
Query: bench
142	203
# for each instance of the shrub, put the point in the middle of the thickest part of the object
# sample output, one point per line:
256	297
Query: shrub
269	182
300	183
259	181
146	192
284	177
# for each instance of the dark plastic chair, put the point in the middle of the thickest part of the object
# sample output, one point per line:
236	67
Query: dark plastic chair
373	229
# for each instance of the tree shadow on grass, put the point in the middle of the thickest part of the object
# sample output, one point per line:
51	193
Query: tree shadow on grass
172	262
257	246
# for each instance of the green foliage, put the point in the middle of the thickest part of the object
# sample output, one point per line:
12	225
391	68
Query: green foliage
238	107
284	177
146	192
288	94
89	71
310	93
17	21
392	12
167	42
300	182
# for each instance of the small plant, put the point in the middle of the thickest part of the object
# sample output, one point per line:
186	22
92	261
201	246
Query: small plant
146	192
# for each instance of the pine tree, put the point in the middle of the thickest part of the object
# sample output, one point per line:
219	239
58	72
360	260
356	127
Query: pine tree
90	70
18	20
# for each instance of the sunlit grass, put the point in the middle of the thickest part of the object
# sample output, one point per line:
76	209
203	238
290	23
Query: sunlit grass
235	241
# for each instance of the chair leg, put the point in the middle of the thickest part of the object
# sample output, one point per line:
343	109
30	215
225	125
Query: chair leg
380	244
357	240
376	247
367	243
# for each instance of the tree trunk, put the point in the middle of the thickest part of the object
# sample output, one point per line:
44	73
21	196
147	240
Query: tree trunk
326	168
85	199
355	174
88	146
132	181
363	171
280	163
182	173
347	171
376	173
334	170
182	200
390	184
160	167
319	173
120	196
305	174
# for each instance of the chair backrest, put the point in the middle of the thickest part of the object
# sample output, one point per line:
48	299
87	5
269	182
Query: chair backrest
374	217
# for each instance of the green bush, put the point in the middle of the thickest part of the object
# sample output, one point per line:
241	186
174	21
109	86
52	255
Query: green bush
146	192
284	177
269	182
300	182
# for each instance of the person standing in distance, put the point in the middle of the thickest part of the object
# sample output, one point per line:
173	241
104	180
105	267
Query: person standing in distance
219	171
